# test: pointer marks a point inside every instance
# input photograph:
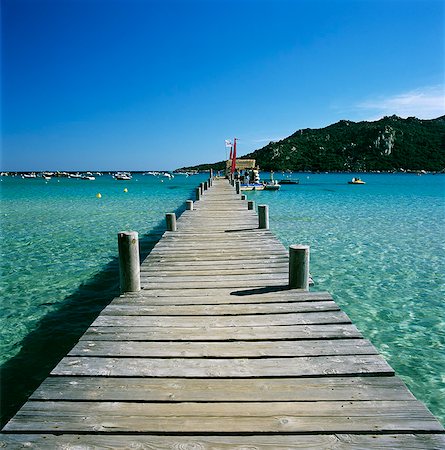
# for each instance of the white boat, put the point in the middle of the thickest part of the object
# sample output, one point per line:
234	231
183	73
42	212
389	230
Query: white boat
356	180
272	186
29	175
87	177
252	187
122	176
75	175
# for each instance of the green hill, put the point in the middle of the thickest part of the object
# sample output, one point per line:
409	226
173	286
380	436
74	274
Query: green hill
391	143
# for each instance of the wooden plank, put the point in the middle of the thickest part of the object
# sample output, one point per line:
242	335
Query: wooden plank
281	417
222	389
235	284
211	310
224	367
204	270
247	320
248	349
256	279
203	263
135	333
219	296
204	442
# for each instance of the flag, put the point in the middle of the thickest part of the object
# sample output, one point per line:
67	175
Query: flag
234	156
228	143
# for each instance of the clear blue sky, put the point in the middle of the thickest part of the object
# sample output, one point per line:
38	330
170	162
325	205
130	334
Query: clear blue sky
159	84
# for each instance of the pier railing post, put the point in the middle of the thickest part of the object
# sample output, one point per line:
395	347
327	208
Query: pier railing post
206	185
198	193
170	219
299	267
211	173
201	186
189	205
263	217
129	268
251	205
243	197
238	187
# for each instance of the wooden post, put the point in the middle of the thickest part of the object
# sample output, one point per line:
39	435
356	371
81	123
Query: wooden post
263	217
238	187
189	205
201	186
129	268
206	186
243	197
210	182
170	218
198	193
211	173
299	267
251	204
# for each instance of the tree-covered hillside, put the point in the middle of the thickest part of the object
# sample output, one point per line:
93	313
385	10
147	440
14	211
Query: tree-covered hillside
388	144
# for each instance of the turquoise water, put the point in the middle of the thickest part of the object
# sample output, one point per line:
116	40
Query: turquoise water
378	248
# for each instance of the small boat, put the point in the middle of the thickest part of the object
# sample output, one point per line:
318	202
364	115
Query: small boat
252	187
289	181
29	175
271	186
87	177
122	176
356	180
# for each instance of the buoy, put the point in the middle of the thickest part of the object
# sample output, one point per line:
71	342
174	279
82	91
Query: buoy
99	195
125	190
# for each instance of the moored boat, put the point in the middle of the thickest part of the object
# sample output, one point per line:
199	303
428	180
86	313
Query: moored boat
356	180
271	186
122	176
252	187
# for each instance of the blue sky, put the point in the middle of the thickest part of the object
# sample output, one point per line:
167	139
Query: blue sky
159	84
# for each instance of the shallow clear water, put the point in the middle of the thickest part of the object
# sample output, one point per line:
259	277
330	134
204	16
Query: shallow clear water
58	234
378	248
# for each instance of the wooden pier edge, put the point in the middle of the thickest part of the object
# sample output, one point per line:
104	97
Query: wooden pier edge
215	351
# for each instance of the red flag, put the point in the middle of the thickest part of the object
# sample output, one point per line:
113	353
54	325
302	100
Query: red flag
234	156
230	153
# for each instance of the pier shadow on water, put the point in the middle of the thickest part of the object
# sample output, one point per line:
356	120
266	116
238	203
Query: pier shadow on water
58	332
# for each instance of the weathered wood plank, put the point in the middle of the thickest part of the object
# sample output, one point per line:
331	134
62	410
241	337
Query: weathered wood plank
210	310
203	442
202	278
222	389
220	296
223	367
248	349
281	417
252	320
235	284
135	333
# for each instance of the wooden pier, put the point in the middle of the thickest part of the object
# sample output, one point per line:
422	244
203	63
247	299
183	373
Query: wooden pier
217	352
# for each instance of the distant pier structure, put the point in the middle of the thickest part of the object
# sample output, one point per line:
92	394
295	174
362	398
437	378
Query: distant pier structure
216	343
